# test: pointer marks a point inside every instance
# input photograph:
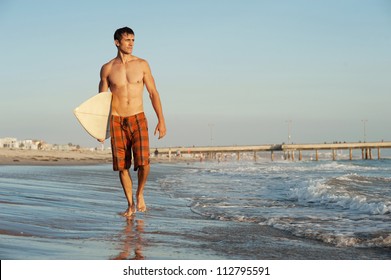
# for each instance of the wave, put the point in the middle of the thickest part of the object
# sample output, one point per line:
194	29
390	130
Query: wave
327	230
340	203
336	195
335	237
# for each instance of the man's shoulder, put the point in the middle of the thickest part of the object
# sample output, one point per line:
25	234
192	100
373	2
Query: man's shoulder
109	63
107	66
140	60
140	63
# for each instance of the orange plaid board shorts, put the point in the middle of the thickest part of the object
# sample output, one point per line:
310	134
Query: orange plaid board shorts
129	135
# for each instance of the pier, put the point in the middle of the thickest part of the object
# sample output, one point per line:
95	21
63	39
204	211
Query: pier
289	151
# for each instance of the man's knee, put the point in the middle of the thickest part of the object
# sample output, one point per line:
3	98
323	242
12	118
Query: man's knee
124	173
144	168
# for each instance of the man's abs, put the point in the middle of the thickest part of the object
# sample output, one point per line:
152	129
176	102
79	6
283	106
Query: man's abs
127	101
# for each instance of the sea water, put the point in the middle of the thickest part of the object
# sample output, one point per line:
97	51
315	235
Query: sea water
72	212
342	203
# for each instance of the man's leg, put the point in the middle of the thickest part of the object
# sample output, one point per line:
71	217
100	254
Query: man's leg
121	163
143	172
126	182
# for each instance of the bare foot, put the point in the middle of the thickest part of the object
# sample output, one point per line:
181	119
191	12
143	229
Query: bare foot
141	207
129	212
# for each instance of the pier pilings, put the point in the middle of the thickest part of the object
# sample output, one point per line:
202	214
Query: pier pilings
288	150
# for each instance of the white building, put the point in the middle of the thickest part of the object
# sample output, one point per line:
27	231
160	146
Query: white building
29	144
13	143
9	142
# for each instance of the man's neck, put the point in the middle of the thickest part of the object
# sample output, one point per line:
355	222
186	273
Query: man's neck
124	57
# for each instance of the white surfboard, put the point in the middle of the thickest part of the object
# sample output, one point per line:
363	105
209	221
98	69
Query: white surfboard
94	113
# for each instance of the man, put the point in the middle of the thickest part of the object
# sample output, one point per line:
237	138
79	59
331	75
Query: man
126	76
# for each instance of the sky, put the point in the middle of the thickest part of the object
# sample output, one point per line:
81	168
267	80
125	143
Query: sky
228	72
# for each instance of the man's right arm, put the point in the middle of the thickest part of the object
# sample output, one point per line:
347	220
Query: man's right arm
104	84
104	79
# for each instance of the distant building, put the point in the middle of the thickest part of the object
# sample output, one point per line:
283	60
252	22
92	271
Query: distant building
14	143
30	144
9	142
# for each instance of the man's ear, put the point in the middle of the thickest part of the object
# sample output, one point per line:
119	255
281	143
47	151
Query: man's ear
116	42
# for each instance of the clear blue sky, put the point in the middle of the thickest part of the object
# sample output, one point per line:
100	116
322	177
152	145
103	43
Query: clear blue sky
228	72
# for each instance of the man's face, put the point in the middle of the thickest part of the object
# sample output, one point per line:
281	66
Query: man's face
125	45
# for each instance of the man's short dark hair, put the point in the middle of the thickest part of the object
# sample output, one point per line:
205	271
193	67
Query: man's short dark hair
124	30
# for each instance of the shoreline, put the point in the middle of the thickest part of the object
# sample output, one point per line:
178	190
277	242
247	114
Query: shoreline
53	157
61	158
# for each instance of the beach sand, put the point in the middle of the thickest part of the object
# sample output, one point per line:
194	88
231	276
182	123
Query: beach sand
72	157
52	157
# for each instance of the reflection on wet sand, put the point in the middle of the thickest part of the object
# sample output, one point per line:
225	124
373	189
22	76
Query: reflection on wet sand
132	241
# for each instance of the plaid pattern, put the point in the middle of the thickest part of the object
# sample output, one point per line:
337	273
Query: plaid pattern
129	134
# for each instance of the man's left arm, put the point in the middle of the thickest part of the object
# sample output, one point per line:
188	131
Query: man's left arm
155	100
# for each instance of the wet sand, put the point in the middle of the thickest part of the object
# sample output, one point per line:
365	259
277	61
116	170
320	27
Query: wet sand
73	213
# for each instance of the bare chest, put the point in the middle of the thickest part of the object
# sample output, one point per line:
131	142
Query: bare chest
122	75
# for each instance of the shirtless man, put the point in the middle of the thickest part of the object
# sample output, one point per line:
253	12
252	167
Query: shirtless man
126	76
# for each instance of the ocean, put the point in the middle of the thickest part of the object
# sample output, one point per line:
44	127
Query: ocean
200	210
345	203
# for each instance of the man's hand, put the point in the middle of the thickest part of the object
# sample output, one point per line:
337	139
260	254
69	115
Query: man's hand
161	128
